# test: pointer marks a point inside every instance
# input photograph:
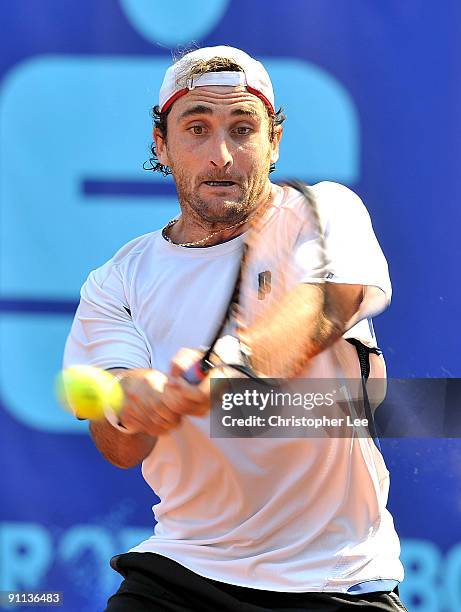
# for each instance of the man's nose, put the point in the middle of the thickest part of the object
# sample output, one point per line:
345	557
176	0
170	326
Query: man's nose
220	154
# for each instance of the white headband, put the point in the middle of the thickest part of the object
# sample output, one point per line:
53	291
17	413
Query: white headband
217	78
254	76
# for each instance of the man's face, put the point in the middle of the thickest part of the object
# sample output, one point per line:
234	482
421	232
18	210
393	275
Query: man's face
219	151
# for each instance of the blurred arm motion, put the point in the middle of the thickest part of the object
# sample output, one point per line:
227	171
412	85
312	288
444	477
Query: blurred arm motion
309	320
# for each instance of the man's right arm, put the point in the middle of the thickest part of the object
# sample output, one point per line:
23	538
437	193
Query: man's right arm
103	334
120	449
142	413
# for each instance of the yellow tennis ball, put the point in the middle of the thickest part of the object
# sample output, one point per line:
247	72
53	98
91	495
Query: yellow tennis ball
85	390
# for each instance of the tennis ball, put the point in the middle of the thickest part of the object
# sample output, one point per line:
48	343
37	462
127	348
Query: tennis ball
85	390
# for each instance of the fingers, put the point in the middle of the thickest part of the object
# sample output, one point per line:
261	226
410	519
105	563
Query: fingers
155	404
180	396
183	398
143	410
183	360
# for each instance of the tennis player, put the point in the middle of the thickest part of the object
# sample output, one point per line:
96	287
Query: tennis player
294	524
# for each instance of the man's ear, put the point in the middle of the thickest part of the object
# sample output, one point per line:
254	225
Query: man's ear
160	147
275	144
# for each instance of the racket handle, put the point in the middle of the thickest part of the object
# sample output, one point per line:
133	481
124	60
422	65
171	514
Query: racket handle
196	373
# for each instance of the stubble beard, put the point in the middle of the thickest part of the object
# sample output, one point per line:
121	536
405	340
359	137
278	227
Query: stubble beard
222	212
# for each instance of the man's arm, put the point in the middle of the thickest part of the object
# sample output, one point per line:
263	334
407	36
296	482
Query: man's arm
122	450
102	334
144	415
309	320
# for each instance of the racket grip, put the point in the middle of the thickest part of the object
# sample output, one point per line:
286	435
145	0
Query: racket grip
196	373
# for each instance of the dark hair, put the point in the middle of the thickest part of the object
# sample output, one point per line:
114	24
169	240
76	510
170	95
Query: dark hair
215	64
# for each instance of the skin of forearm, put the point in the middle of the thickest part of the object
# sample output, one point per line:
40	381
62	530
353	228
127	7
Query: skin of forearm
277	347
340	303
309	320
121	449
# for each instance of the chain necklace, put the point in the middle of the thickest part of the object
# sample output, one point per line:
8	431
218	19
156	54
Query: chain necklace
257	213
170	224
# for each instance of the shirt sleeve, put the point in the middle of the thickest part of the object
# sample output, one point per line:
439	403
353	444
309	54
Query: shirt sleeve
103	333
355	256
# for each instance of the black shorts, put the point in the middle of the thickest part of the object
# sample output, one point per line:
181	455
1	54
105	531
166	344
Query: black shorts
155	583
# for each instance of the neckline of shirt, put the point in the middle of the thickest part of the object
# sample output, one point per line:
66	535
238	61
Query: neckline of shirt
235	244
216	250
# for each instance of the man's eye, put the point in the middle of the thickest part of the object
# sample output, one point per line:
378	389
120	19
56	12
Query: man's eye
243	131
197	129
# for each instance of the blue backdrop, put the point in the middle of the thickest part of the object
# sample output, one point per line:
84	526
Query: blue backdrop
372	95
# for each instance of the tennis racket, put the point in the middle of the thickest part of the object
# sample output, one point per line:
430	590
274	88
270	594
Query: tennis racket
278	292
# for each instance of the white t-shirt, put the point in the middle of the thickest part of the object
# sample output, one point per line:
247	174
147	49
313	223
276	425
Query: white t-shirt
285	514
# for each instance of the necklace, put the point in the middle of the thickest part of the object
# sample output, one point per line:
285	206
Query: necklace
170	224
257	213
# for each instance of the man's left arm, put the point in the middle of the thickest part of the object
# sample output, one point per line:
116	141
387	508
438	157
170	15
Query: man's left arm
341	305
354	253
311	318
328	310
333	294
358	287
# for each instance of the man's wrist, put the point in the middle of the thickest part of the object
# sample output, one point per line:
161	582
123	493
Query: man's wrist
114	419
111	415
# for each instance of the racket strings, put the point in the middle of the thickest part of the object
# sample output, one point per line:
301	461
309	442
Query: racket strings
280	331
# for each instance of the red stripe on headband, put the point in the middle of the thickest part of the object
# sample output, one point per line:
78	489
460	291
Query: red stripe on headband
182	92
262	97
173	98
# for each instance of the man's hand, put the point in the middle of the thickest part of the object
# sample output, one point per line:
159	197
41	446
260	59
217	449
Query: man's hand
144	410
180	396
156	403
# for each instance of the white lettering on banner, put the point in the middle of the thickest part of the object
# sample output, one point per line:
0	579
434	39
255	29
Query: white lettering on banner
421	589
25	556
29	551
83	538
453	576
26	553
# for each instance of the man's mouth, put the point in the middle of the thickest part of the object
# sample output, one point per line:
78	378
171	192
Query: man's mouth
219	183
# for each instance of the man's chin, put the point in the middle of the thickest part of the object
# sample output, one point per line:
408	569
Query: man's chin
221	210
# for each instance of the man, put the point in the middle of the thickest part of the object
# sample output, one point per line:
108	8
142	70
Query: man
243	524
